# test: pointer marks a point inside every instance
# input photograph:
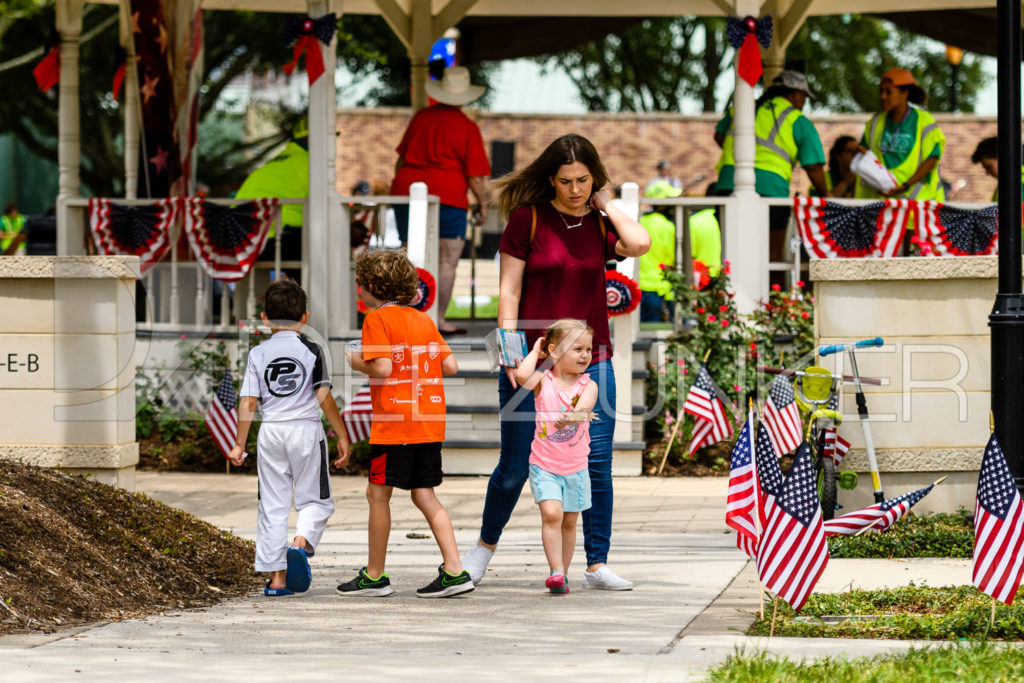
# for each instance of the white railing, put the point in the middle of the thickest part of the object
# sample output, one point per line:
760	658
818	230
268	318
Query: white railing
180	296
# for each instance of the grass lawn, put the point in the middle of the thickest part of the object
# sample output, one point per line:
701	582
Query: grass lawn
977	662
938	535
911	612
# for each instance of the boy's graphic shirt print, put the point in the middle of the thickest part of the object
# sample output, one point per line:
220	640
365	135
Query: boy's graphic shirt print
408	405
284	372
564	451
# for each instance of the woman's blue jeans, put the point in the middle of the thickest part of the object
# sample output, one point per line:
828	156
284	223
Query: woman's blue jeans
518	424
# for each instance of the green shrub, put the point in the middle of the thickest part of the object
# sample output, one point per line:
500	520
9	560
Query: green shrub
935	535
910	612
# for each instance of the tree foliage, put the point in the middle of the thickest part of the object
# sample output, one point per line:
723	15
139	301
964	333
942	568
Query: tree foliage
846	55
647	67
656	64
235	43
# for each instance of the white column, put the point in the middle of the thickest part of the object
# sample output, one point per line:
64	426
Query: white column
70	222
625	329
421	24
745	238
131	108
322	194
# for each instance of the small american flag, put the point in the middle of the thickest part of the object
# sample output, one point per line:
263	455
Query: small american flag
835	447
793	553
769	475
222	415
356	415
782	416
879	516
998	528
741	505
703	403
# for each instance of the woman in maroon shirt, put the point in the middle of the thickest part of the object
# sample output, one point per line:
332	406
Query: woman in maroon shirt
562	229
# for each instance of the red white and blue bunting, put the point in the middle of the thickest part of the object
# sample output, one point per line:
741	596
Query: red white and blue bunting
227	240
142	231
622	293
957	232
831	230
426	291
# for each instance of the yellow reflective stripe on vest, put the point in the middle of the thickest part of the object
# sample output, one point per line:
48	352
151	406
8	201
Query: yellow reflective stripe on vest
776	147
927	188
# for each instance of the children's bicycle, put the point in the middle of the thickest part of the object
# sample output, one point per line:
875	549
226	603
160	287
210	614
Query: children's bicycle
816	391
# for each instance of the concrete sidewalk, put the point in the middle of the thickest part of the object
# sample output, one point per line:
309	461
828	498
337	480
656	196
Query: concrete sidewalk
669	538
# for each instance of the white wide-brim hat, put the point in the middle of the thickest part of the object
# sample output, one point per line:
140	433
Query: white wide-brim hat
455	88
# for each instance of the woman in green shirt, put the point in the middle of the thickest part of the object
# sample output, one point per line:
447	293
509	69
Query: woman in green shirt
905	138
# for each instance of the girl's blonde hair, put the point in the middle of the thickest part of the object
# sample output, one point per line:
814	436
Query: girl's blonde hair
560	329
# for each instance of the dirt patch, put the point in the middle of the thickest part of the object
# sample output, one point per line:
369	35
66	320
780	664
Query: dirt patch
712	461
73	551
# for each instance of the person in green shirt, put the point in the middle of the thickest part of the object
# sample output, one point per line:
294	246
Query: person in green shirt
906	139
12	225
987	154
785	137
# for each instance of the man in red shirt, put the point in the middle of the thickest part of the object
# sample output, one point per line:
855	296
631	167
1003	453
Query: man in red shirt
444	149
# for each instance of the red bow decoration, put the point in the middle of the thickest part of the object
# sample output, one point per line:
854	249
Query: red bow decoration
744	35
121	59
47	71
303	32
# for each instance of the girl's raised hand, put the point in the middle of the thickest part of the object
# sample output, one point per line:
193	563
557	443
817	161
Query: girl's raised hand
538	347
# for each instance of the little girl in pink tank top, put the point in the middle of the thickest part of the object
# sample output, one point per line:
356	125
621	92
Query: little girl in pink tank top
564	397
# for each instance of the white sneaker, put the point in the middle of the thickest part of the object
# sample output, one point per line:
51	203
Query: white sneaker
475	562
605	579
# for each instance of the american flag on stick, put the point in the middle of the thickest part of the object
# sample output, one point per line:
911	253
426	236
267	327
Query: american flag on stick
356	415
703	403
998	528
741	505
782	416
793	553
222	414
879	516
769	475
836	446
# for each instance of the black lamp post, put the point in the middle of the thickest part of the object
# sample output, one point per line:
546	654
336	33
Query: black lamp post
1007	317
954	56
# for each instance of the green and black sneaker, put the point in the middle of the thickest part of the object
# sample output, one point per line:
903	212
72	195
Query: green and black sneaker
446	585
364	585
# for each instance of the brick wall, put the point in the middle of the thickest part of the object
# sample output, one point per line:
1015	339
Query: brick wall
631	144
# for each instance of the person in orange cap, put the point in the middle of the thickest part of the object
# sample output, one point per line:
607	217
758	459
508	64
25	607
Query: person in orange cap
905	138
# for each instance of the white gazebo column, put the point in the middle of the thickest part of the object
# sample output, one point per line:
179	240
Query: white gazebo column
70	222
131	107
625	328
421	25
746	219
326	239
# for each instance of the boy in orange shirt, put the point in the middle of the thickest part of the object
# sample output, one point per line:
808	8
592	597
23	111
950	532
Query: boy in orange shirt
405	358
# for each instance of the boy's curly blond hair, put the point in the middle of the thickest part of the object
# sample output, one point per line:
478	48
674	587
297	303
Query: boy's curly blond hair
388	275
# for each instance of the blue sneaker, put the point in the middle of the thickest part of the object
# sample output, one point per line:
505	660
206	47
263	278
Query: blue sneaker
299	575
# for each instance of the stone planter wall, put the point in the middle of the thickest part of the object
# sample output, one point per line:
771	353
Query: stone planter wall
67	370
931	416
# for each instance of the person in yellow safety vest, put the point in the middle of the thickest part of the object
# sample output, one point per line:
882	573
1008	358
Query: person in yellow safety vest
840	177
784	136
705	246
655	290
906	139
12	223
285	175
987	154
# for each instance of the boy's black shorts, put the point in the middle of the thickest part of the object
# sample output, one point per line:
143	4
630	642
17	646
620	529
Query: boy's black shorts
406	466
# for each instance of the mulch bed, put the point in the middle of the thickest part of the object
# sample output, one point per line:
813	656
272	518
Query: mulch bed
73	551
